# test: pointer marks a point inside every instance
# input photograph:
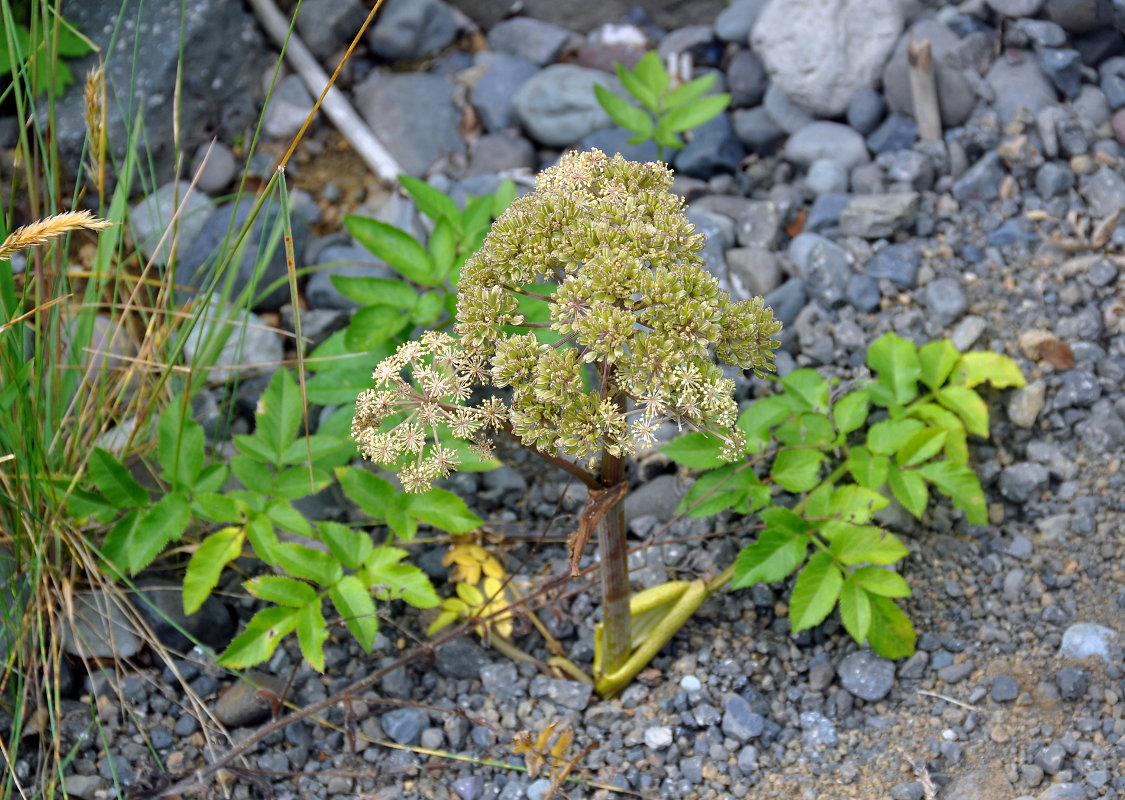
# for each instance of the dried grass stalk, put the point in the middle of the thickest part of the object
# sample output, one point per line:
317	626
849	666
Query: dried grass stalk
94	117
44	230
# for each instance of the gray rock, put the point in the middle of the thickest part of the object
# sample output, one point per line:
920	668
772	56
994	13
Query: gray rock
866	111
224	54
1021	480
162	605
1041	32
817	731
821	675
557	106
897	263
988	782
787	300
1005	689
413	115
1079	16
658	497
410	29
863	293
823	52
954	673
501	152
405	725
568	694
1080	389
735	21
875	216
1064	791
739	721
1053	179
288	107
150	217
1104	191
827	176
1063	68
826	140
252	347
462	659
616	140
658	737
1085	639
537	41
100	628
1016	8
915	666
907	790
85	787
752	272
759	225
746	79
897	132
250	701
955	92
967	332
1050	758
825	212
714	149
694	40
789	116
757	130
909	168
1018	82
981	181
116	768
326	25
824	266
469	787
213	168
492	93
866	675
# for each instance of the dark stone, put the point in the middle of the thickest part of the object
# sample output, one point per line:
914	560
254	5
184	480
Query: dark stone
411	29
162	604
898	132
413	115
746	80
1063	67
898	263
757	130
787	300
713	150
462	659
492	94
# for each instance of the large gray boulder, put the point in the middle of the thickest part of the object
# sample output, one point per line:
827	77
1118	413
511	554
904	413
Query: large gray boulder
821	53
413	115
557	106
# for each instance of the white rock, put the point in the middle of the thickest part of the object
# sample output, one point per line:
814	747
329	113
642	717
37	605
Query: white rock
1085	639
658	737
823	52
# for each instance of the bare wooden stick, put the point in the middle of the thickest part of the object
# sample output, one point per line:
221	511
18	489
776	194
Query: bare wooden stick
923	87
336	106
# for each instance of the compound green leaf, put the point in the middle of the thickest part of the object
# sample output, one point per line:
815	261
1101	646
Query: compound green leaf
429	308
959	484
623	112
815	592
114	481
443	247
206	565
211	478
373	494
969	407
850	411
869	471
638	88
179	446
354	604
376	291
350	546
855	544
922	446
696	450
115	548
295	482
713	492
404	582
690	91
891	635
806	386
909	489
757	420
856	504
261	637
282	514
281	590
855	610
882	582
263	538
937	359
278	414
165	522
895	362
982	366
311	633
779	550
443	510
431	201
305	562
807	429
686	116
373	325
217	508
397	248
887	437
797	470
956	442
650	70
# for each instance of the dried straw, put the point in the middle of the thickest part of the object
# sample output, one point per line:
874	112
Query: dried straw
44	230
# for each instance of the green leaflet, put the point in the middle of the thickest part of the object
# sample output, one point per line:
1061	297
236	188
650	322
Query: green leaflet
815	592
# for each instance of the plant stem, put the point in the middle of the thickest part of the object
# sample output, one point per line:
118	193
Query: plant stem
615	572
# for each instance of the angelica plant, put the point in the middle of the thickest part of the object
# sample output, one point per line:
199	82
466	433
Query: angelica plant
589	303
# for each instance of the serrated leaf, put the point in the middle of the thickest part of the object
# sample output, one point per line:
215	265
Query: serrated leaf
348	545
937	359
855	544
397	248
855	610
179	446
797	470
779	550
922	446
263	538
623	112
696	450
637	87
895	360
808	387
692	115
283	515
376	291
868	471
891	635
959	484
114	481
713	492
689	91
650	69
217	508
815	592
431	201
311	633
818	502
443	510
81	504
956	442
304	562
404	582
882	582
165	522
887	437
856	504
281	590
318	446
206	565
909	489
354	604
370	492
296	482
261	637
211	478
666	138
115	548
476	216
372	326
981	366
278	414
850	411
254	447
968	405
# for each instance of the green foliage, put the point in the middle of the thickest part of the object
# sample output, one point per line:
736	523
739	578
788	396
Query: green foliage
665	111
21	52
807	444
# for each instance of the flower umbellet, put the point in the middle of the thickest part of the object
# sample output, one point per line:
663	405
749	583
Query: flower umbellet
589	304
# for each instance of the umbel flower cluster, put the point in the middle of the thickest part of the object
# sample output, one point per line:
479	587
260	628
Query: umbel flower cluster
634	326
